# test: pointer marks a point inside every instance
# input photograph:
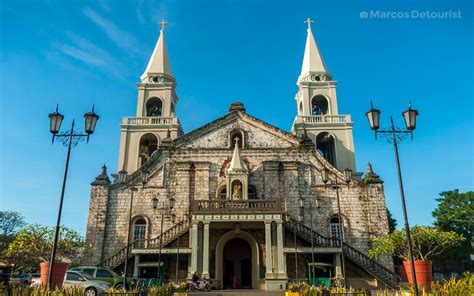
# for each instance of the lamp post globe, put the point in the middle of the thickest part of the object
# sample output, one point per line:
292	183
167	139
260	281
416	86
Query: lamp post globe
90	120
347	175
410	118
122	176
55	120
373	115
325	175
144	176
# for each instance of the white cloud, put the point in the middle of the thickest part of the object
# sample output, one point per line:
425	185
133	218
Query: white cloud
122	39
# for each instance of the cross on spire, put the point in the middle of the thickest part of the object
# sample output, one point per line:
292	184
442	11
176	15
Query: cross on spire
236	139
308	21
163	23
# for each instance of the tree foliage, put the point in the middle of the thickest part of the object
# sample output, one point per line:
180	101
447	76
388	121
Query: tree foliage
455	212
10	223
427	242
33	245
392	222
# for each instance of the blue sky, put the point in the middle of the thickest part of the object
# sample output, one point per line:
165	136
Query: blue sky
79	53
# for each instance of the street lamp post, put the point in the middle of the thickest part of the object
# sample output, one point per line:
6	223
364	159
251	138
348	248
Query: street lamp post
335	185
161	210
122	180
69	139
287	216
312	242
394	136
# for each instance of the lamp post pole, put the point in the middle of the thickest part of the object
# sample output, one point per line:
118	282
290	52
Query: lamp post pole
312	243
341	227
162	209
70	139
122	180
335	185
393	136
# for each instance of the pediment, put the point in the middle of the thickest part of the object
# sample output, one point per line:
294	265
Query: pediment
217	134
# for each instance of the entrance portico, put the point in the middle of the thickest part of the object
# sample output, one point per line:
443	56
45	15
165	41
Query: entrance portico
262	232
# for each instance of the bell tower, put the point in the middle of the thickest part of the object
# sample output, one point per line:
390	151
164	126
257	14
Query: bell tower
156	111
317	109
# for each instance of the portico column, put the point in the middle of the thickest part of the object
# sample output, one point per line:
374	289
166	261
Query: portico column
268	249
205	251
194	248
281	263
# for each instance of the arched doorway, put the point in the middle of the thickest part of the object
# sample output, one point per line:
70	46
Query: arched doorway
221	258
237	264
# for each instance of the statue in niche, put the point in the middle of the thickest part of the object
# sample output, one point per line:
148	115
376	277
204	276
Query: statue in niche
237	191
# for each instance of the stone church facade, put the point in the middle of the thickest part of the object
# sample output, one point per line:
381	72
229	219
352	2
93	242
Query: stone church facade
238	198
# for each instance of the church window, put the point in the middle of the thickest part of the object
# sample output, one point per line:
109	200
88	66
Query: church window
326	147
148	145
154	107
252	192
139	232
236	134
236	188
319	105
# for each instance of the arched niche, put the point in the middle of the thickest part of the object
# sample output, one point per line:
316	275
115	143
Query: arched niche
154	107
236	189
326	146
319	105
236	134
148	145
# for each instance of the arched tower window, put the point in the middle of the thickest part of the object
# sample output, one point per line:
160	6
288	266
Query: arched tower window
326	147
236	134
154	107
252	192
236	189
300	108
148	145
319	105
139	232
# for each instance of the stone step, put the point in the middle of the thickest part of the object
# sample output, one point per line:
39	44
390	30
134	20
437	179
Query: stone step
238	293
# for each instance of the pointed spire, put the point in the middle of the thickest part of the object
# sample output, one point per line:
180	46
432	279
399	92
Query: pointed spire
312	60
371	177
159	62
237	164
103	178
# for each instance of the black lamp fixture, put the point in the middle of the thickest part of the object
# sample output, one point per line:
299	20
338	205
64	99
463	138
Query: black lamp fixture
122	176
55	120
347	175
172	202
410	118
155	202
373	115
144	173
325	175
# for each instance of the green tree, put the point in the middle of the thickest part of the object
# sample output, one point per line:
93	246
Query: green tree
455	212
427	242
392	222
10	223
33	244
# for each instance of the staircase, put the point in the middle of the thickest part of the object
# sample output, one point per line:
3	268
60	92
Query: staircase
374	268
165	238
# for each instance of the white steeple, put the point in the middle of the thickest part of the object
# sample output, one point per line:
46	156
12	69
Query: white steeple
312	61
237	164
159	62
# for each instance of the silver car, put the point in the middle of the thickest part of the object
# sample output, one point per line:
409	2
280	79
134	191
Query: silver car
85	281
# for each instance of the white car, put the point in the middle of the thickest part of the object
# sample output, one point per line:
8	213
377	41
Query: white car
85	281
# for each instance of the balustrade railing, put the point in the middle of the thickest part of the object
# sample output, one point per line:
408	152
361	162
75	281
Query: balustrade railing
373	267
166	237
251	205
325	119
150	120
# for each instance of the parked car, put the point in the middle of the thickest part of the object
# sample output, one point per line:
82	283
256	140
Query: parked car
19	279
82	280
104	274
